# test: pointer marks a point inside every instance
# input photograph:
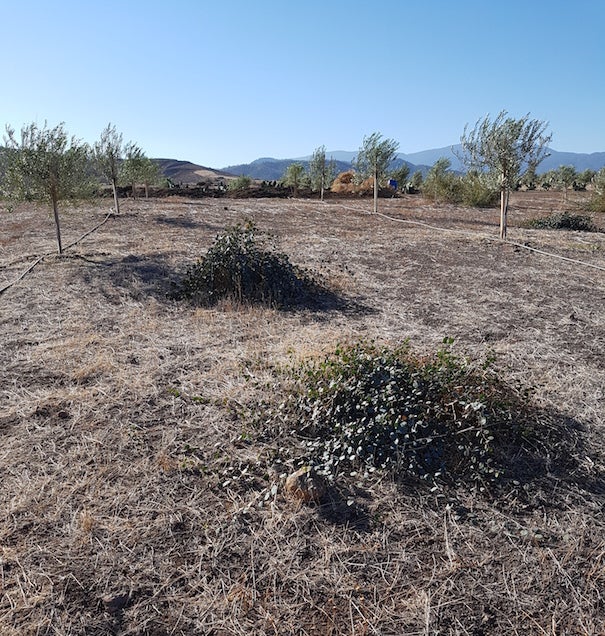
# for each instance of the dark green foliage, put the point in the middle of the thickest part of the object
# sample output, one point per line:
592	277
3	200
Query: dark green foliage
479	190
597	203
441	184
366	408
242	183
563	221
241	266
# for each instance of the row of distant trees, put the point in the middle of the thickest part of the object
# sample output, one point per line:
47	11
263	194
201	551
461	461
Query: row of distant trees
496	153
499	154
473	188
43	163
480	189
374	162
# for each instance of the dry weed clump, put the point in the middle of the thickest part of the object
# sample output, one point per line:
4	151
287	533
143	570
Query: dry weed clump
345	183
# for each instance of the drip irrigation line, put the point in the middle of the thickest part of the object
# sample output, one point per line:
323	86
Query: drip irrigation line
23	274
488	238
41	258
94	229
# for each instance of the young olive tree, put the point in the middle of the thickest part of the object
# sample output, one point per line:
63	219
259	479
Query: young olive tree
107	155
509	147
598	181
321	172
374	158
241	184
133	167
565	177
294	177
400	175
149	174
4	152
416	181
45	164
585	177
441	184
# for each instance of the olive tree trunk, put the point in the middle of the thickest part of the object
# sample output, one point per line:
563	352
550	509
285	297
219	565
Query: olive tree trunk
114	188
375	191
504	193
57	223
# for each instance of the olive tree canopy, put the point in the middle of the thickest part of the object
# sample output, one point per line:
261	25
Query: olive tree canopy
46	164
374	158
508	147
321	172
294	176
107	155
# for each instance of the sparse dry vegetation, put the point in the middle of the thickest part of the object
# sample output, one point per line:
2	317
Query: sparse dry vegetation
141	496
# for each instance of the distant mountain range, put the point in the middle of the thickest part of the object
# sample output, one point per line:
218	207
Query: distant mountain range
271	169
555	158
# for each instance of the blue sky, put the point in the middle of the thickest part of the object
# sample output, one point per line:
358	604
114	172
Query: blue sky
228	81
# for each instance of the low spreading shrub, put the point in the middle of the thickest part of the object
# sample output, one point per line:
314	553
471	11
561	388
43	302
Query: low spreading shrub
243	266
563	221
366	408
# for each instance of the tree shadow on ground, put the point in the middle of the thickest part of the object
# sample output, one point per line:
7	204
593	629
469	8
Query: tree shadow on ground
180	221
151	275
186	222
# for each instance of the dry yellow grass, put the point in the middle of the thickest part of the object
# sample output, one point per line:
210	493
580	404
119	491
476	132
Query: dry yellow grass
134	499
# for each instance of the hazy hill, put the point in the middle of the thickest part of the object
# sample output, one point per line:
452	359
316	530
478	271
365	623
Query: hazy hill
580	161
189	173
269	168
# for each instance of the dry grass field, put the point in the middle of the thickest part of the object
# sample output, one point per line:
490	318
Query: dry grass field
135	499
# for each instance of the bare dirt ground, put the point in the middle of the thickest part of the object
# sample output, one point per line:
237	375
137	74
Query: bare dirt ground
134	500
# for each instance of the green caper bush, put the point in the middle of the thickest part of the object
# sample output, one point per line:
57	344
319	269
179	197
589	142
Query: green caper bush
243	266
366	408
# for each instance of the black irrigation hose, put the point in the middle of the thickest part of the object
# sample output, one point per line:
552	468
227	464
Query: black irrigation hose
489	238
41	258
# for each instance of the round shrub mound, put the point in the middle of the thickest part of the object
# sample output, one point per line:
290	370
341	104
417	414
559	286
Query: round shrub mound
564	221
242	266
366	408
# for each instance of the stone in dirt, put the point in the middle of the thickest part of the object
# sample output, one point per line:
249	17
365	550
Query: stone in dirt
305	485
